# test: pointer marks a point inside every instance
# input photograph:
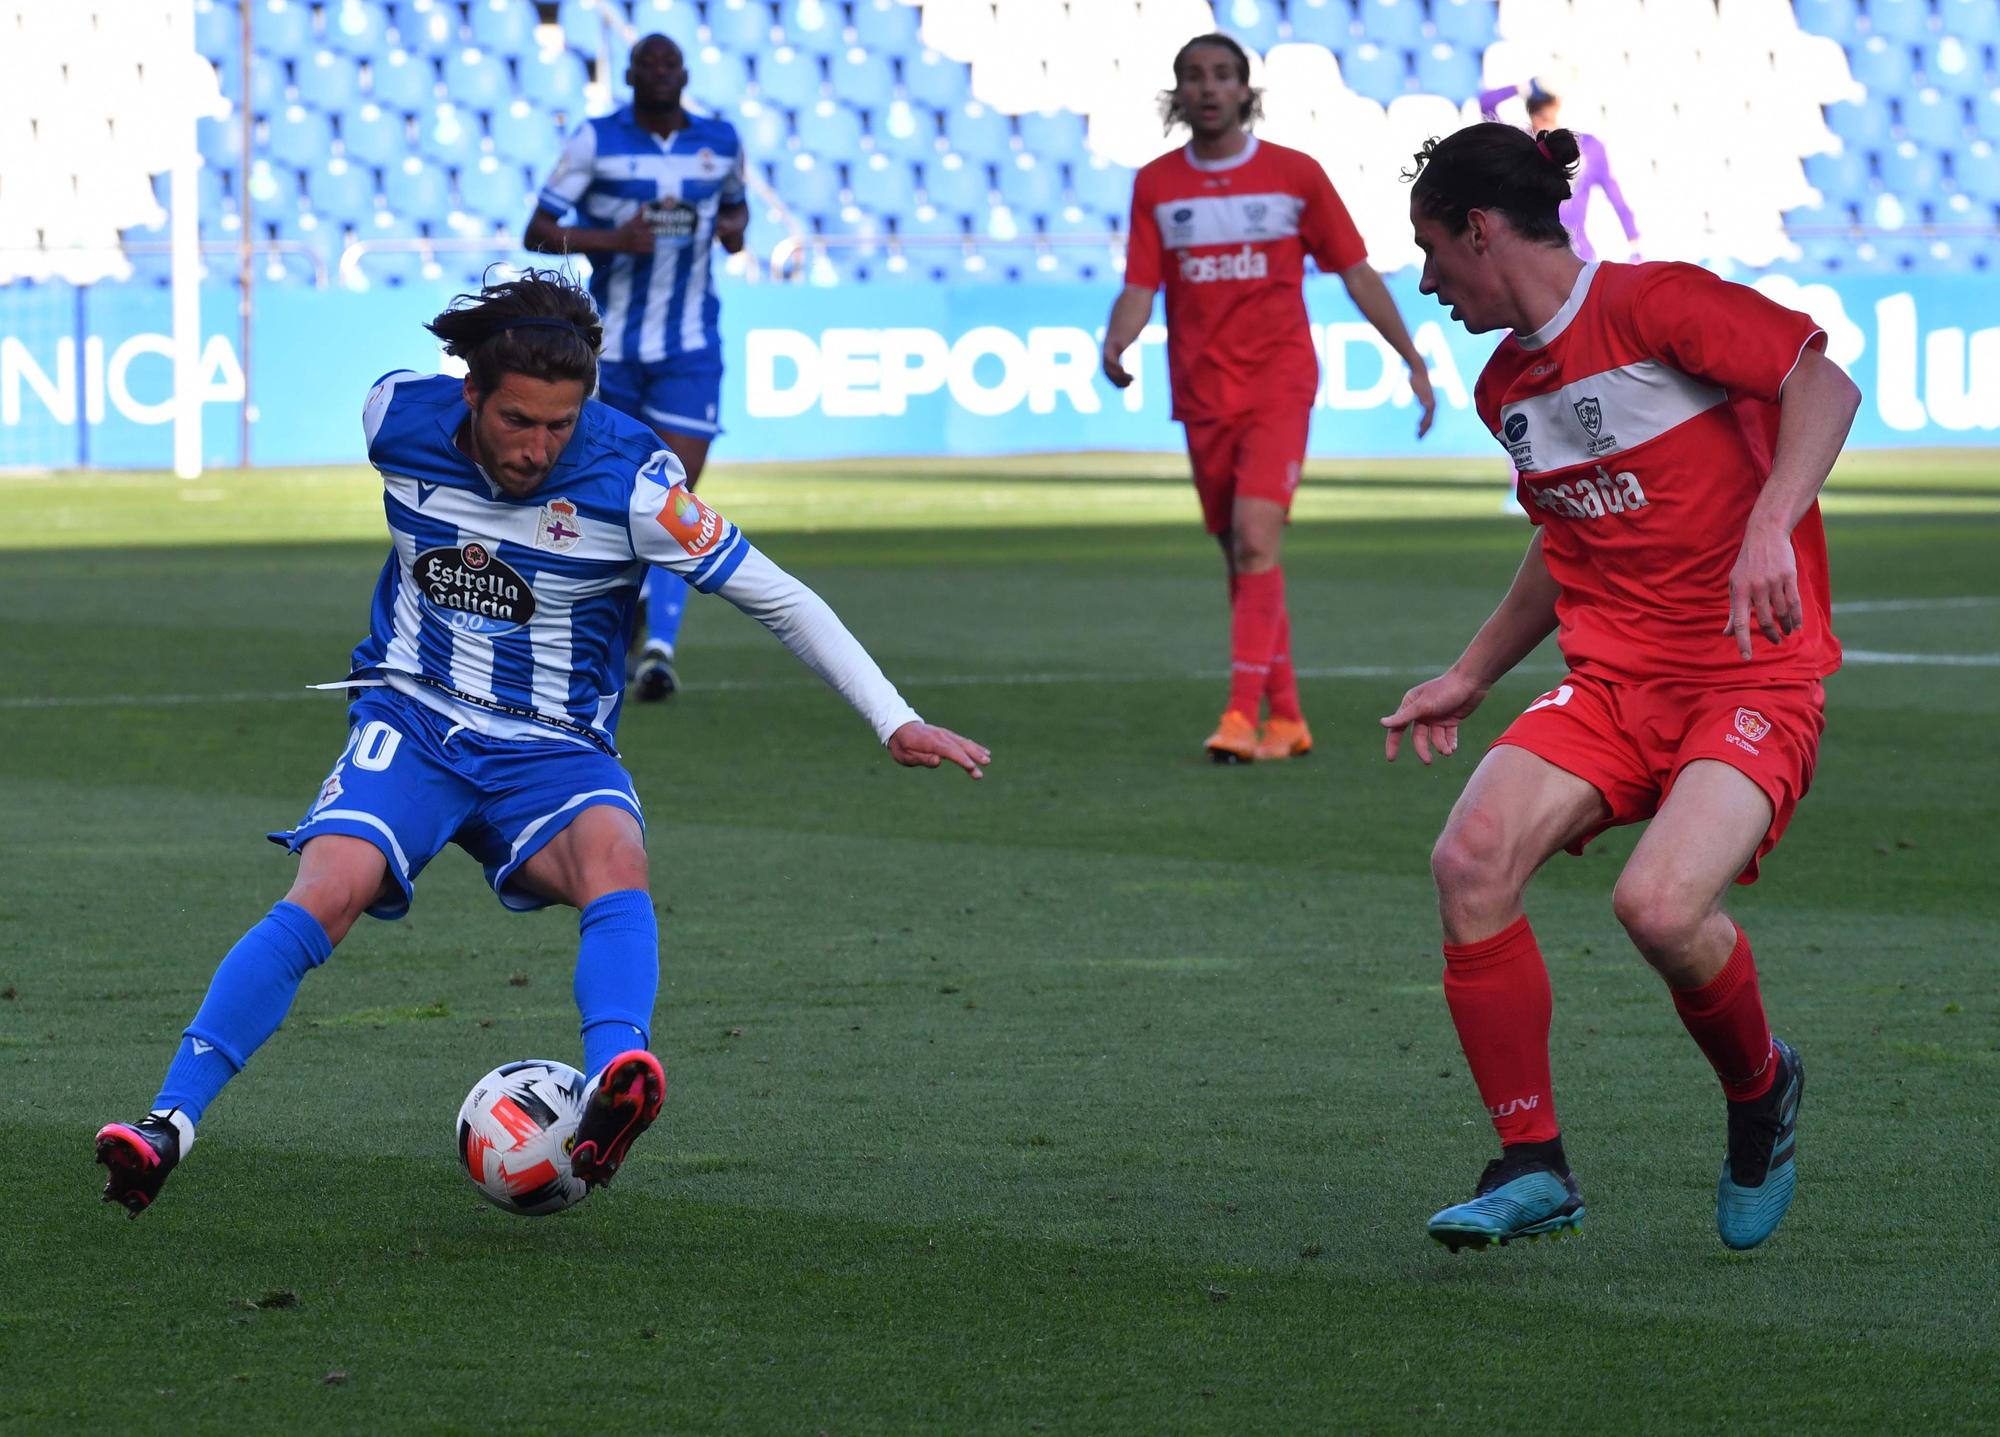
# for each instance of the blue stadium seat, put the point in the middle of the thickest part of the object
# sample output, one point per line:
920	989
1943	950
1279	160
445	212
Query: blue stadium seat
1977	170
553	79
429	27
882	184
979	267
1031	187
328	80
1468	24
935	80
863	78
764	129
1818	217
403	81
417	187
401	266
341	190
788	77
852	222
269	83
1053	135
1977	22
218	30
1253	24
815	25
1448	71
954	182
906	130
477	80
1078	220
1843	178
450	135
1887	67
900	267
740	25
220	142
269	185
1392	24
1379	72
832	131
583	25
526	136
807	186
1932	118
1834	18
717	79
1099	184
930	222
1861	126
1954	66
496	191
1909	170
678	20
1825	252
977	132
358	28
887	26
323	237
299	137
1986	112
373	136
1906	20
1323	22
281	27
506	27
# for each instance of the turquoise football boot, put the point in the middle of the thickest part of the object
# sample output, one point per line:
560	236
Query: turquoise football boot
1517	1197
1758	1175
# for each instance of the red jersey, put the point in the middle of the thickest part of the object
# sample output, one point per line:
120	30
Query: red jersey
1229	238
1641	420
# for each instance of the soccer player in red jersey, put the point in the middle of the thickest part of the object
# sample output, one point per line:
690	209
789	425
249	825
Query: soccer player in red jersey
1671	433
1226	223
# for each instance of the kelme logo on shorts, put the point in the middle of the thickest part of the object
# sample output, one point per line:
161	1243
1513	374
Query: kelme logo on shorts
473	590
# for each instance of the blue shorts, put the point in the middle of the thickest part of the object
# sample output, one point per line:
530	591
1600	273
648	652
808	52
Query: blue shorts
409	784
672	395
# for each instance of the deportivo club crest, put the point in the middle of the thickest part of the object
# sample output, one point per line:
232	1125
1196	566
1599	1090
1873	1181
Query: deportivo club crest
557	528
1590	414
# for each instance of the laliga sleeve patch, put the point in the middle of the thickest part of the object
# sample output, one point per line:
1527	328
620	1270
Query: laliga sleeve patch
695	527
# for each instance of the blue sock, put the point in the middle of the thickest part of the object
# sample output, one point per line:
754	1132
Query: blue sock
666	598
617	975
247	999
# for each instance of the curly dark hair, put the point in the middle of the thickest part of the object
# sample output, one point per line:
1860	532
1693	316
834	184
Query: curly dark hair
1172	112
1492	166
542	325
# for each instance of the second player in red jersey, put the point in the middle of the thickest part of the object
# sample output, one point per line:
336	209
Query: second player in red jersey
1225	225
1670	432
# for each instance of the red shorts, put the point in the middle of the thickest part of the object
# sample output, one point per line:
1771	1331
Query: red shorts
1631	741
1248	456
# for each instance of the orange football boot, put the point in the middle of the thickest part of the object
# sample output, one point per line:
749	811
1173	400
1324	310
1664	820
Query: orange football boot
1234	739
1284	738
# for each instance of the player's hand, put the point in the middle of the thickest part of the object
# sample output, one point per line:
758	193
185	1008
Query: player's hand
922	745
1764	590
636	235
1115	372
1427	404
1432	712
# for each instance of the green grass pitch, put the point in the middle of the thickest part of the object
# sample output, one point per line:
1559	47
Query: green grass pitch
1107	1095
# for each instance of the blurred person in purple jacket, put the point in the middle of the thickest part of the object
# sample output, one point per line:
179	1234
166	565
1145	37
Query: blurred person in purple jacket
1593	171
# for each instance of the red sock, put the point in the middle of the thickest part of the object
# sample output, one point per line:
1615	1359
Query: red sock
1500	1002
1257	607
1725	1017
1282	686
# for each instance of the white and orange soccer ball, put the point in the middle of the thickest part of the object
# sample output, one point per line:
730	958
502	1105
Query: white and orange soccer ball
515	1129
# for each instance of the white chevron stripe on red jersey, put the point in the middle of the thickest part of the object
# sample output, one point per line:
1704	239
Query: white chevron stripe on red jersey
1588	420
1227	219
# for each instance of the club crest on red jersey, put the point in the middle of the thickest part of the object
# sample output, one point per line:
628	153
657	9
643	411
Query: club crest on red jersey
1752	725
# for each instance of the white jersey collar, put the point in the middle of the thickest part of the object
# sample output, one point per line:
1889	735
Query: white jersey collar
1242	157
1547	334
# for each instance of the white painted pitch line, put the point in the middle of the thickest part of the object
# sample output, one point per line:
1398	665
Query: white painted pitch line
1897	606
1940	661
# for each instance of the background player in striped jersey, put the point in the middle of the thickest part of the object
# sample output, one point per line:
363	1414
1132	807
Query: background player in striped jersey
486	700
1225	224
1671	432
653	187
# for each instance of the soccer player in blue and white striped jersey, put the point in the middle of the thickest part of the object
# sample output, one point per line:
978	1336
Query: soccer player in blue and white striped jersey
653	187
485	703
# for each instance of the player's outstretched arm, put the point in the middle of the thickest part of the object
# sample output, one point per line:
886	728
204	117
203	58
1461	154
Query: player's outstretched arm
1378	307
1432	711
920	745
1814	412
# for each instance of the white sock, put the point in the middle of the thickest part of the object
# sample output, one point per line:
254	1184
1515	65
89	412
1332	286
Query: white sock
182	1124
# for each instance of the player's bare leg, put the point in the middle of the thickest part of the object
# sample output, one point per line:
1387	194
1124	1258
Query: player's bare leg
654	676
1257	606
1669	899
598	865
1516	812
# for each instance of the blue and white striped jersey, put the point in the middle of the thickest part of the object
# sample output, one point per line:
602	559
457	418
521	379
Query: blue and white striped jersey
513	615
663	305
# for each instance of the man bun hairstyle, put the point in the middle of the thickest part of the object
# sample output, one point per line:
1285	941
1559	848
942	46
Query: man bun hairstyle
1173	113
541	325
1497	167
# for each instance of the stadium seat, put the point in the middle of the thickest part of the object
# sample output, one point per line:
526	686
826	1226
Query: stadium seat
1932	118
417	187
815	25
788	77
449	135
1392	24
269	184
1955	67
505	27
1986	113
978	132
429	27
905	130
901	267
1253	24
1053	136
1029	186
1906	20
1836	19
1468	24
1885	66
1864	126
861	232
930	222
328	81
220	142
888	27
389	266
218	30
1825	252
528	137
1077	220
298	137
832	131
496	191
678	20
281	27
764	129
987	265
1447	71
373	136
476	80
403	81
583	24
1844	178
340	189
935	80
1909	171
954	182
269	84
863	78
321	236
553	79
808	187
1375	71
882	184
357	28
717	79
740	25
1322	22
1977	170
1977	22
1099	184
